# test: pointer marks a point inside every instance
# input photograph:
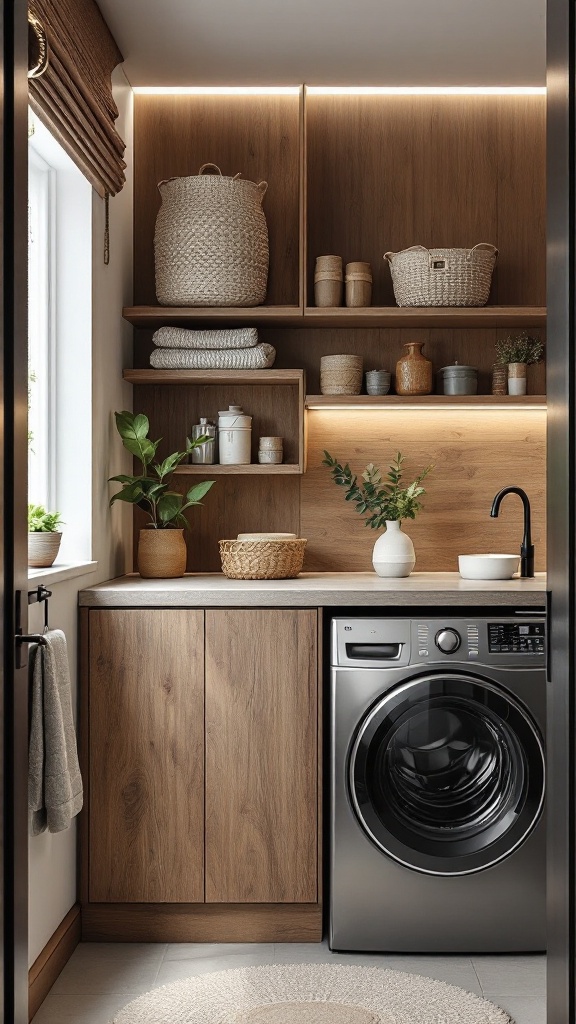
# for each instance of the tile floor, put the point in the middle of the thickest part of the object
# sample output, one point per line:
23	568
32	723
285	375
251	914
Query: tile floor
101	977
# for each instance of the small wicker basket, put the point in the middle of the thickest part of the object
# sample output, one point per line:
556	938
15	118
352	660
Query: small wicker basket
341	375
262	559
442	277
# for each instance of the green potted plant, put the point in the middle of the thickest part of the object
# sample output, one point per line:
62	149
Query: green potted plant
161	544
517	353
43	536
384	504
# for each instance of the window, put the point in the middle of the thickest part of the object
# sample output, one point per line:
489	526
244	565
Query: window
60	341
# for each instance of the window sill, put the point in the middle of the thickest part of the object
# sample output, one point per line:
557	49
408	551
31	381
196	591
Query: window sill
58	573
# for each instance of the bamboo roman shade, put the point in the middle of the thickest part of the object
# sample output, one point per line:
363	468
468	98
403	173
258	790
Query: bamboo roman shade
73	97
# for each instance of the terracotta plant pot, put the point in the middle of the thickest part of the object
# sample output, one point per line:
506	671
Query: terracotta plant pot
161	554
42	549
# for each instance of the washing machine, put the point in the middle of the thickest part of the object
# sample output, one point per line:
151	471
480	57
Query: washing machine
437	837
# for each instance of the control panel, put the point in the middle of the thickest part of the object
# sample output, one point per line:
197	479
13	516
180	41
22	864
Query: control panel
516	637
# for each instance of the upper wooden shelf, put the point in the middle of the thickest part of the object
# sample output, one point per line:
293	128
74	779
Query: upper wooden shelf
426	316
397	401
237	377
340	316
232	316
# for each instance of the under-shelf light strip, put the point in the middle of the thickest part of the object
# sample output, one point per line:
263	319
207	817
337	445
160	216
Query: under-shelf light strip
426	90
399	407
342	90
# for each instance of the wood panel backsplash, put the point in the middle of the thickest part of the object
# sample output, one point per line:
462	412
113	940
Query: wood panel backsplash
475	453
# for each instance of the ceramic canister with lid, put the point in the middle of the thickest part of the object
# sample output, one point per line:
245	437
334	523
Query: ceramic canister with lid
234	436
459	380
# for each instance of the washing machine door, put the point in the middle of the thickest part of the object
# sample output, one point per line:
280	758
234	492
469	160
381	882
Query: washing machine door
446	774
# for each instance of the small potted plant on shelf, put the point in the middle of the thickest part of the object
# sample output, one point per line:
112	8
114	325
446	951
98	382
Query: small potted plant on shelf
384	504
43	536
517	353
161	544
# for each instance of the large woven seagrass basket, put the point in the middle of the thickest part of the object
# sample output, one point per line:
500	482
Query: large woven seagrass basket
262	559
211	241
442	277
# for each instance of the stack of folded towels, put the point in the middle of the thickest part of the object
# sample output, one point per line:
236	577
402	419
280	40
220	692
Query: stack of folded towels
233	349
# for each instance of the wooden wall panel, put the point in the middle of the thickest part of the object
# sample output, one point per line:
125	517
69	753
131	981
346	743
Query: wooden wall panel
261	756
147	757
387	172
475	454
256	135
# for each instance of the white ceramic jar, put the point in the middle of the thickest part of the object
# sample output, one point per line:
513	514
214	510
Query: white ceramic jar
234	436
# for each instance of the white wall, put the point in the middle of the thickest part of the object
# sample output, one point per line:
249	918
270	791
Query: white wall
52	858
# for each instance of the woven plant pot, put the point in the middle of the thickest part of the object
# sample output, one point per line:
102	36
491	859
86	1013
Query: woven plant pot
262	559
211	241
341	375
43	548
442	277
161	554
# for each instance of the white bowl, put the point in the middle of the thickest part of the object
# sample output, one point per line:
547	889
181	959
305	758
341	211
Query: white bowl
488	567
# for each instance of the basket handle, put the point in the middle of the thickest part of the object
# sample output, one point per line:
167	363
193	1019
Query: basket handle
482	245
213	166
262	187
413	248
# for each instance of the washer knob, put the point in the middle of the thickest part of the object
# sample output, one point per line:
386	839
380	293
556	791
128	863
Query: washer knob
448	641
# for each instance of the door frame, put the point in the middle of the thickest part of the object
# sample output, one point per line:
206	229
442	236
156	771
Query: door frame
13	478
561	469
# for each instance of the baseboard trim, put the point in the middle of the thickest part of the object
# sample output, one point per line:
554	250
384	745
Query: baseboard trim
202	922
53	959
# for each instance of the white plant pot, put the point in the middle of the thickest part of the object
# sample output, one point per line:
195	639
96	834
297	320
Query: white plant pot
517	378
42	549
393	554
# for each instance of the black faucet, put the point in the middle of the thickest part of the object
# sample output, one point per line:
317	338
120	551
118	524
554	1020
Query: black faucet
527	547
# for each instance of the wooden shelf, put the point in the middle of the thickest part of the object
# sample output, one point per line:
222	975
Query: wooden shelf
444	401
184	316
235	377
254	469
428	316
312	316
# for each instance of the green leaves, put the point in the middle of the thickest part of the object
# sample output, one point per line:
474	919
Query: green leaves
151	493
133	430
384	502
41	521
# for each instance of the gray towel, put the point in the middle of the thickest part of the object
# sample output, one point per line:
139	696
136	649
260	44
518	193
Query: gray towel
259	357
54	780
229	337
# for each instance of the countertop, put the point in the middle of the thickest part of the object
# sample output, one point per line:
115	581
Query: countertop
315	589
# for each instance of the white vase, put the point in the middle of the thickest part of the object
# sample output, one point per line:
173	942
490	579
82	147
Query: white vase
393	554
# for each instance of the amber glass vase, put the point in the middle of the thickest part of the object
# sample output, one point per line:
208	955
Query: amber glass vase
414	371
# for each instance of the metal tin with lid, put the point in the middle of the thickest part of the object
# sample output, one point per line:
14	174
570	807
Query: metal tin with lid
459	380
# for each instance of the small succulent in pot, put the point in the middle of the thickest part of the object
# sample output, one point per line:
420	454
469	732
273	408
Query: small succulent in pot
161	549
44	536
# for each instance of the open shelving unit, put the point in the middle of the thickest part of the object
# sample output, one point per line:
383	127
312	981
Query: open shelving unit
356	175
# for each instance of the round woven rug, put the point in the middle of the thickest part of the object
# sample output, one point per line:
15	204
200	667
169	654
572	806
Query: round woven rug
310	994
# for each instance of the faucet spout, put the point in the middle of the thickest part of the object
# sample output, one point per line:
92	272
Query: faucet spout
527	547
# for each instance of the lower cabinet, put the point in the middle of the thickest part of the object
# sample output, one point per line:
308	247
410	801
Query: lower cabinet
200	758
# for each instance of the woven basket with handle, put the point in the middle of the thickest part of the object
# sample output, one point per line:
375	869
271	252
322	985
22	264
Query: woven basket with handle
262	559
442	277
211	241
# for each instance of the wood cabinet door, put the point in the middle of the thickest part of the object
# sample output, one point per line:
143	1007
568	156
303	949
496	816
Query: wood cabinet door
261	756
146	779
